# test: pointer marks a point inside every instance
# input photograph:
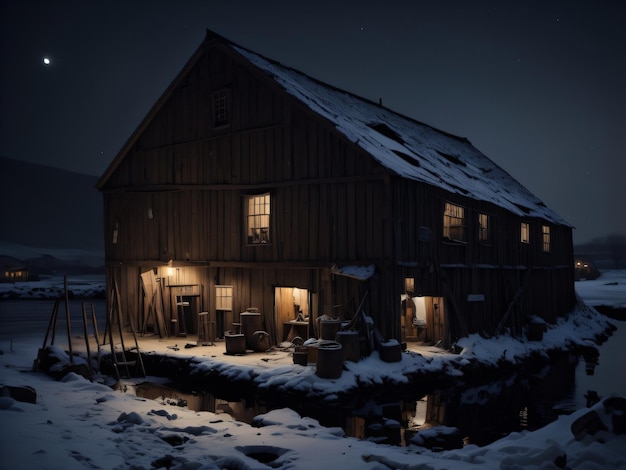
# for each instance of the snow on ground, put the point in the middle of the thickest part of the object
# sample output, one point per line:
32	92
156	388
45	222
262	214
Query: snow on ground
87	286
79	424
609	289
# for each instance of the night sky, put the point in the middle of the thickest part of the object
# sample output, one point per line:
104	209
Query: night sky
538	86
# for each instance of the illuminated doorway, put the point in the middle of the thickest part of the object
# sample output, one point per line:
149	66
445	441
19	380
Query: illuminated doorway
292	308
422	317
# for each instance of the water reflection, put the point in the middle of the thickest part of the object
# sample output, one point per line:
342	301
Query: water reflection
451	418
240	409
440	419
606	377
443	419
487	412
590	356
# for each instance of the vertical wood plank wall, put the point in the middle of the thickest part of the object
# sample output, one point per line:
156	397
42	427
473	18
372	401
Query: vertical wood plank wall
179	195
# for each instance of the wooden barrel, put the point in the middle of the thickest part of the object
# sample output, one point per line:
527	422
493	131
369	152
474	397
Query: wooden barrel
313	347
390	351
349	341
329	360
312	357
250	323
329	328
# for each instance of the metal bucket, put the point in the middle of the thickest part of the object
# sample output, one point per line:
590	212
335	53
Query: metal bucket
329	360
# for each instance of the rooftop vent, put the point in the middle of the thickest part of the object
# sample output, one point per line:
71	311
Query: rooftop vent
524	209
385	130
406	157
452	158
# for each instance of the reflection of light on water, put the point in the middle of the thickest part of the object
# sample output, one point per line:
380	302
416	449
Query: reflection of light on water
419	418
523	417
435	415
198	401
606	378
222	406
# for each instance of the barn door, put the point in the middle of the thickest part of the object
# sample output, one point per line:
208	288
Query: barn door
436	310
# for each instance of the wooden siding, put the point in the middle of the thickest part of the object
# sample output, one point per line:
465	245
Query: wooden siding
177	196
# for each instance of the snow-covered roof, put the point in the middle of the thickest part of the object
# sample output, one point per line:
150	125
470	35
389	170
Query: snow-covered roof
409	148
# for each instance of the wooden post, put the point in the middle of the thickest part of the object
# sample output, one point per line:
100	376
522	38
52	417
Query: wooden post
67	317
87	340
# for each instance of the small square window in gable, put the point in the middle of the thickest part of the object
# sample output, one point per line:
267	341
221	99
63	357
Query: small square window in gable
221	108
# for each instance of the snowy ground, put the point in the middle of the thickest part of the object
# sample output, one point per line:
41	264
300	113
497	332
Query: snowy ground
609	289
87	286
79	424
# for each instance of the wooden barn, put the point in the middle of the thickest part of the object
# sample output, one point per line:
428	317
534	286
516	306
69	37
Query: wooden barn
250	185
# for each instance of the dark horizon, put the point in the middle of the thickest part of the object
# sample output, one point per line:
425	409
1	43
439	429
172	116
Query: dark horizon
538	88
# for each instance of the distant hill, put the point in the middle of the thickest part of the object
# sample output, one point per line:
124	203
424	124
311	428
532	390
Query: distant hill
47	207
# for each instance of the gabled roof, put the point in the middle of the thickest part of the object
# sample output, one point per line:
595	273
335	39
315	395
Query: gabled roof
403	145
407	147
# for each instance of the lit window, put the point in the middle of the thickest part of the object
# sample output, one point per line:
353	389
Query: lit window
220	107
409	285
223	298
258	219
545	232
525	232
454	222
484	228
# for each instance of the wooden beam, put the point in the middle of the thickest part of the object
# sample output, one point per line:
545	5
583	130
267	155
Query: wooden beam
240	187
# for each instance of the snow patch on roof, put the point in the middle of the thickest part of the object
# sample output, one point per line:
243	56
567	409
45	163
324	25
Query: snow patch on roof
410	149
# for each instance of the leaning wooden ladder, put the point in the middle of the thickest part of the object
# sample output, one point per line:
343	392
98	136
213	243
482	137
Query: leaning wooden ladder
115	316
90	311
